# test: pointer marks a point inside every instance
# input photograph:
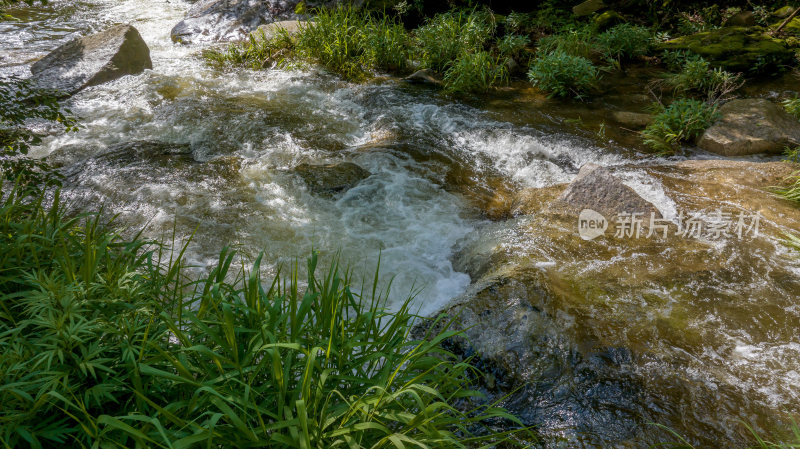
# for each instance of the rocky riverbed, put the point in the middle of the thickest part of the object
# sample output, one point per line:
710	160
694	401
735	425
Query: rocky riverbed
474	206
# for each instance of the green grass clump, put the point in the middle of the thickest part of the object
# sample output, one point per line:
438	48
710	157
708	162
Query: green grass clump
562	75
682	121
573	41
512	45
475	72
695	76
337	39
107	342
258	52
447	37
345	41
625	41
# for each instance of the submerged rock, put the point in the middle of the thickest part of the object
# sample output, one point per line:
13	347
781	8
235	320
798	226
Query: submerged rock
331	179
598	189
149	150
592	340
229	20
635	120
735	48
751	126
92	60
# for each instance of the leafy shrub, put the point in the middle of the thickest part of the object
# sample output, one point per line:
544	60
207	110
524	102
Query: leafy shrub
697	77
388	45
561	74
448	36
337	40
792	106
682	121
575	41
625	41
105	347
475	72
343	40
512	45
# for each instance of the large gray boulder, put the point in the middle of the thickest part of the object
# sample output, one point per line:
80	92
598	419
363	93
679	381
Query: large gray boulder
598	189
750	126
92	60
230	20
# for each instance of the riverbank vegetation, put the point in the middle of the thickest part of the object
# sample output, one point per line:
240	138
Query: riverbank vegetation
560	52
107	342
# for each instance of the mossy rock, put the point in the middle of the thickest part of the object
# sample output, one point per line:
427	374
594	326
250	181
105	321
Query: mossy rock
782	13
607	20
792	28
740	49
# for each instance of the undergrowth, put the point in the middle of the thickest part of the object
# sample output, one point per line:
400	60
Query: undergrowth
561	74
107	342
458	45
681	121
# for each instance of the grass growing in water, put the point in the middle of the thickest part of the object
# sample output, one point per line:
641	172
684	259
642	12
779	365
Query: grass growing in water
344	41
682	121
351	44
106	346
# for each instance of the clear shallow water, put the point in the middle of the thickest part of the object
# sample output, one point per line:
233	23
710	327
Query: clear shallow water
199	149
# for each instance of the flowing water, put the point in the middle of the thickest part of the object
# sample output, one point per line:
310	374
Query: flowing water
187	148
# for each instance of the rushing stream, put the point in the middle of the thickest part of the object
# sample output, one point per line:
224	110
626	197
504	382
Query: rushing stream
191	148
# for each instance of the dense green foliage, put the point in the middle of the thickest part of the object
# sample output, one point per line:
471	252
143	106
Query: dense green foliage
695	76
625	41
447	37
475	72
561	74
573	41
107	343
353	43
682	121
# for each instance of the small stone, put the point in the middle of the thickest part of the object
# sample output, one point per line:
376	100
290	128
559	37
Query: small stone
424	76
